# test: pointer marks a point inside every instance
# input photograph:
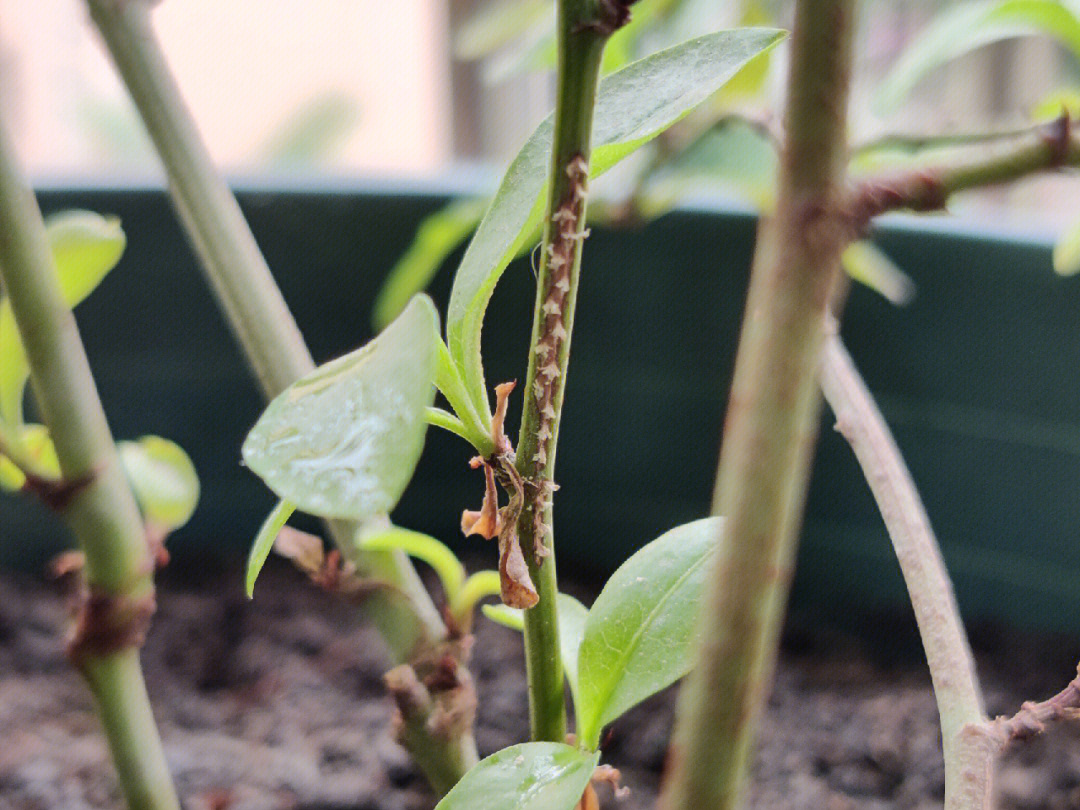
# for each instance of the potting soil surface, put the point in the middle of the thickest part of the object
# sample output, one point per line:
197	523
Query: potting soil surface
278	703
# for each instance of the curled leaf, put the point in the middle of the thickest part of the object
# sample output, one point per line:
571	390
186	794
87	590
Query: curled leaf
485	522
304	549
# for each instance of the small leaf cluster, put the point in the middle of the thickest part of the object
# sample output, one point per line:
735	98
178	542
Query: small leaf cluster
85	248
344	441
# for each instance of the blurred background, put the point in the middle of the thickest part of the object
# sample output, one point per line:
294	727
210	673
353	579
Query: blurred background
346	88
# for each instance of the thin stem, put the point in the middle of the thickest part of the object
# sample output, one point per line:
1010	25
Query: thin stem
771	423
124	707
580	52
404	614
97	504
928	188
952	668
231	258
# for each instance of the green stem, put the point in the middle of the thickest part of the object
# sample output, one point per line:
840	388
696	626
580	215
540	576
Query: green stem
580	53
403	613
101	509
928	187
124	707
234	265
771	423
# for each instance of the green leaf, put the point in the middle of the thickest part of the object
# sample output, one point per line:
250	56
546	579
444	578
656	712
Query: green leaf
734	157
498	25
478	586
572	616
530	776
969	26
869	265
642	629
85	247
163	478
312	134
32	446
264	541
1067	252
424	547
510	617
436	238
633	106
343	441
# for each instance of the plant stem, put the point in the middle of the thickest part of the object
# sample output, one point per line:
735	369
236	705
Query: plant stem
124	707
580	51
952	668
771	423
404	614
928	188
231	258
96	502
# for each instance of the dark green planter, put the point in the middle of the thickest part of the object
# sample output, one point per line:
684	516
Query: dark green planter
979	377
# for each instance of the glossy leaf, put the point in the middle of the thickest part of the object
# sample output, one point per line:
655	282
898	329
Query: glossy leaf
968	26
530	776
422	546
436	238
85	247
163	478
343	441
633	106
642	629
264	542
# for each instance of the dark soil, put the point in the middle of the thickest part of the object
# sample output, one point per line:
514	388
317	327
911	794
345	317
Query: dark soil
277	703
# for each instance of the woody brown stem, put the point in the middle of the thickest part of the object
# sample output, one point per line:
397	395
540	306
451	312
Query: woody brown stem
952	668
928	188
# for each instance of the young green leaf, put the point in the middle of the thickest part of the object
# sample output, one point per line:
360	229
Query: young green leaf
633	106
478	586
436	238
572	618
1067	252
641	631
85	247
343	441
422	546
968	26
514	618
530	776
264	541
163	479
32	447
866	263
